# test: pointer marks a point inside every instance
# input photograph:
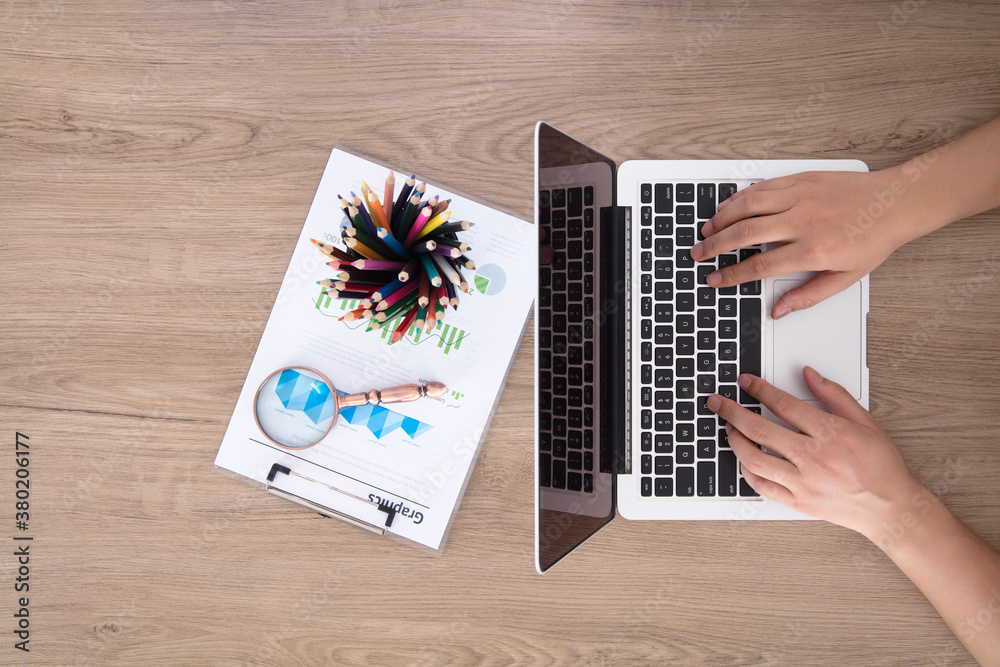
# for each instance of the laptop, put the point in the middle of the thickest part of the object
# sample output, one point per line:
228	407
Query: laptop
630	341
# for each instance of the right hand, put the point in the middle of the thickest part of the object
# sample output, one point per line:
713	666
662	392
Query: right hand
832	222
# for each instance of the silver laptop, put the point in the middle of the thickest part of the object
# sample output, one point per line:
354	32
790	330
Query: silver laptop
630	341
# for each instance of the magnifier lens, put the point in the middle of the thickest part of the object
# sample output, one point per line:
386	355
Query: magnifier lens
295	407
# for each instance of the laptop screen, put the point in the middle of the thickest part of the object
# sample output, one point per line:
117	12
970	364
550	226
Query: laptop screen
575	333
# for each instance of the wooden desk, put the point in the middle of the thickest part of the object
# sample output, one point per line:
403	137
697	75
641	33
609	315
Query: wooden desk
156	164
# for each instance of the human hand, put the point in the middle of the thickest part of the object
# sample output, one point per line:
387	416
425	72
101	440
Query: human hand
825	223
841	466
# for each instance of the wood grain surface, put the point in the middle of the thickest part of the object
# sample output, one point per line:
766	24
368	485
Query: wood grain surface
157	161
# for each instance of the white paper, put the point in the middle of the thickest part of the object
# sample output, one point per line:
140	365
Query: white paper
422	469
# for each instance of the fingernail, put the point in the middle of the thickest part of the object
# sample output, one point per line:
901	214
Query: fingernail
697	251
813	374
708	229
714	279
744	380
781	311
728	427
714	402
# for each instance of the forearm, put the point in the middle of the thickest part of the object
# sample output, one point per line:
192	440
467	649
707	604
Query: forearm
951	182
952	566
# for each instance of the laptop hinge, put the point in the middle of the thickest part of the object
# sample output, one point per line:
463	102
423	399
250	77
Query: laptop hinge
620	348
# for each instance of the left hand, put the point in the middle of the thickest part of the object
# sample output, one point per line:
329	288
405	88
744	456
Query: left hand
840	466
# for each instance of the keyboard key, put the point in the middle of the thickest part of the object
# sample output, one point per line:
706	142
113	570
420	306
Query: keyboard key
685	345
588	483
664	356
685	302
684	236
559	198
706	297
663	422
706	318
727	308
726	190
706	200
685	193
646	215
706	362
706	340
685	390
750	341
664	443
647	464
706	384
646	486
664	378
574	460
685	280
685	481
683	259
588	460
664	487
684	433
664	201
706	478
685	410
559	474
574	202
664	225
588	195
664	290
685	324
647	441
746	491
545	469
646	193
663	334
706	448
727	373
664	313
664	400
727	473
664	465
728	329
685	454
685	367
664	270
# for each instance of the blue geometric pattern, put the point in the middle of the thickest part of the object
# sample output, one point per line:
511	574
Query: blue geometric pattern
302	393
382	421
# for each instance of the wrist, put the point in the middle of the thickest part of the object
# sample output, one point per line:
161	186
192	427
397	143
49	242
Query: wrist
913	208
907	522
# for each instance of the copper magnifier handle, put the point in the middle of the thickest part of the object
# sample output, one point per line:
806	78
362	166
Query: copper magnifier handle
401	394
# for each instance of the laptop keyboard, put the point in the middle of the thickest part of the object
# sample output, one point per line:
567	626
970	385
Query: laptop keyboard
568	372
693	341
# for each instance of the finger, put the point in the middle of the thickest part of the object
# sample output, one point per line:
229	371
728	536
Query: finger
764	198
754	426
767	488
821	286
779	183
836	397
797	414
766	473
757	228
783	259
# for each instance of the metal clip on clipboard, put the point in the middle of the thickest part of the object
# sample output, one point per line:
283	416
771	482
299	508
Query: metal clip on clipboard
328	511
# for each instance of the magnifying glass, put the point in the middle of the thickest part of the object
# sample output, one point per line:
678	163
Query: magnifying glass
296	407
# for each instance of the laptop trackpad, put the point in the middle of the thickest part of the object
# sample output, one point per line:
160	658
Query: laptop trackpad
826	337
